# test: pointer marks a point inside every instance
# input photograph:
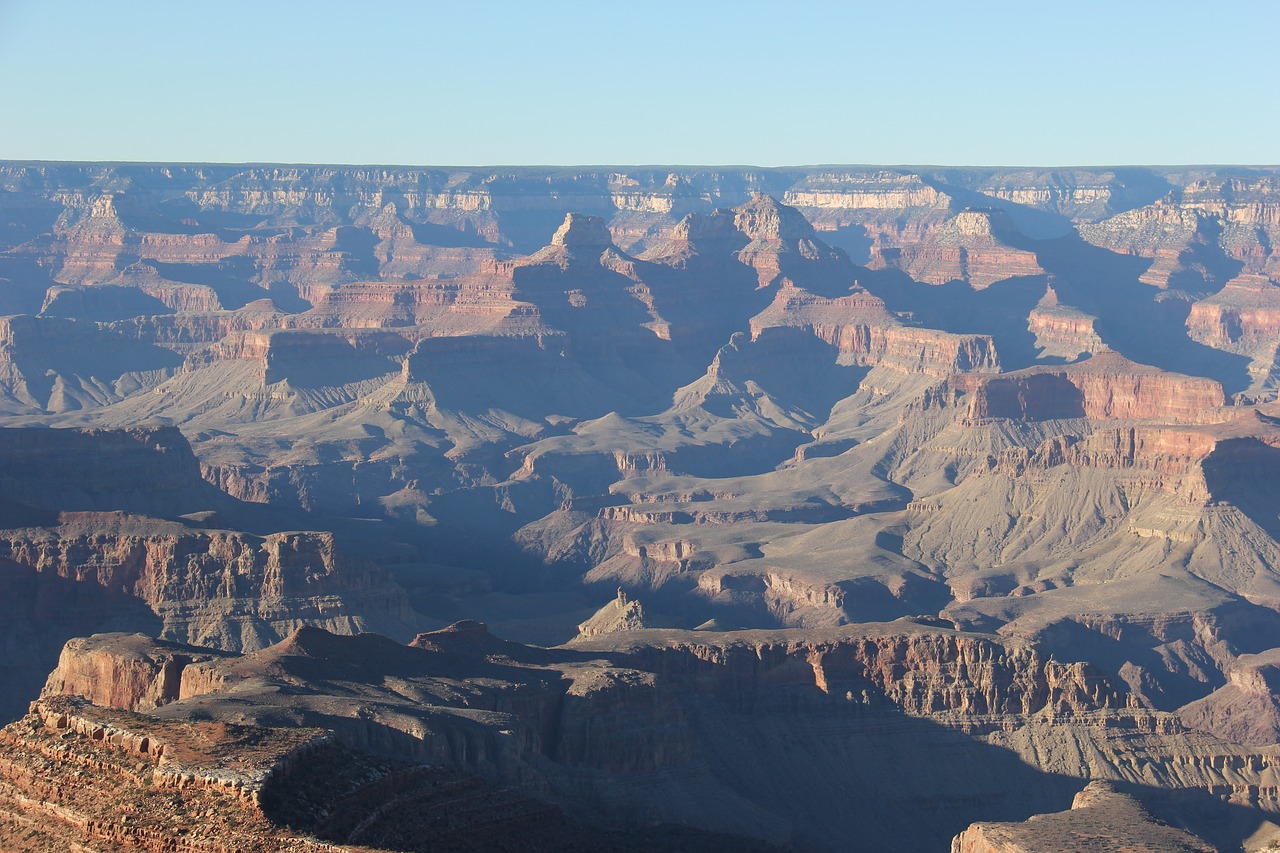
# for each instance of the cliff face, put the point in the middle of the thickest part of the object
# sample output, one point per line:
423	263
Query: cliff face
133	672
1106	387
1029	403
661	709
220	588
865	333
973	247
143	470
81	547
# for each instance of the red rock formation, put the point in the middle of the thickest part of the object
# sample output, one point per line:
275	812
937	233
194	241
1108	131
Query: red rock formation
1105	387
973	248
220	588
865	333
1244	314
132	672
1061	330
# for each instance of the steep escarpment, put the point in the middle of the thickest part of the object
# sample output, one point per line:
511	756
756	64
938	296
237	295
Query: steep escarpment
221	588
108	529
1105	387
965	469
145	470
977	247
618	721
865	333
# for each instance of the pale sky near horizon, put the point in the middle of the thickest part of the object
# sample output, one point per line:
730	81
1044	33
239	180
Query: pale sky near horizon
661	82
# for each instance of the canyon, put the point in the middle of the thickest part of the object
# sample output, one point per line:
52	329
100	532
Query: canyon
797	508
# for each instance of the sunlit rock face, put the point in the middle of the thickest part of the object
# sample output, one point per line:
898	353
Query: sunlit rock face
809	469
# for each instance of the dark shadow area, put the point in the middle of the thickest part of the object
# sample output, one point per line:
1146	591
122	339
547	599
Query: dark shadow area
344	796
143	213
41	610
23	284
101	303
1245	472
24	216
1204	267
229	225
231	279
1137	187
48	348
791	365
1133	319
1000	310
1031	221
357	246
308	359
1037	396
851	239
431	234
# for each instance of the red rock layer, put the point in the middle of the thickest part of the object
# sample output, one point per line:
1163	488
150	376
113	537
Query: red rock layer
1106	387
866	334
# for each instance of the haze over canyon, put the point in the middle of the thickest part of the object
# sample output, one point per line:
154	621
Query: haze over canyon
830	508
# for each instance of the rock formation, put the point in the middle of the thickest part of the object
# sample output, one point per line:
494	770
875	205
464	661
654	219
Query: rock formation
1100	818
980	461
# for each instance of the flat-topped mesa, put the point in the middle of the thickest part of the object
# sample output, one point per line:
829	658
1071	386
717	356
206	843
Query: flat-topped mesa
866	334
1105	387
312	358
231	759
182	333
837	199
581	231
473	302
129	671
1244	315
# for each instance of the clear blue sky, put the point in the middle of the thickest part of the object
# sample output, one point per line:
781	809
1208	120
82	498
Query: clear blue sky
1034	82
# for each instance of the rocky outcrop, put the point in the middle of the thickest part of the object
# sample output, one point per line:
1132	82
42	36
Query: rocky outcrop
919	672
865	333
973	247
1105	387
129	671
652	706
1245	709
781	242
1063	331
1241	316
1100	818
217	588
621	614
